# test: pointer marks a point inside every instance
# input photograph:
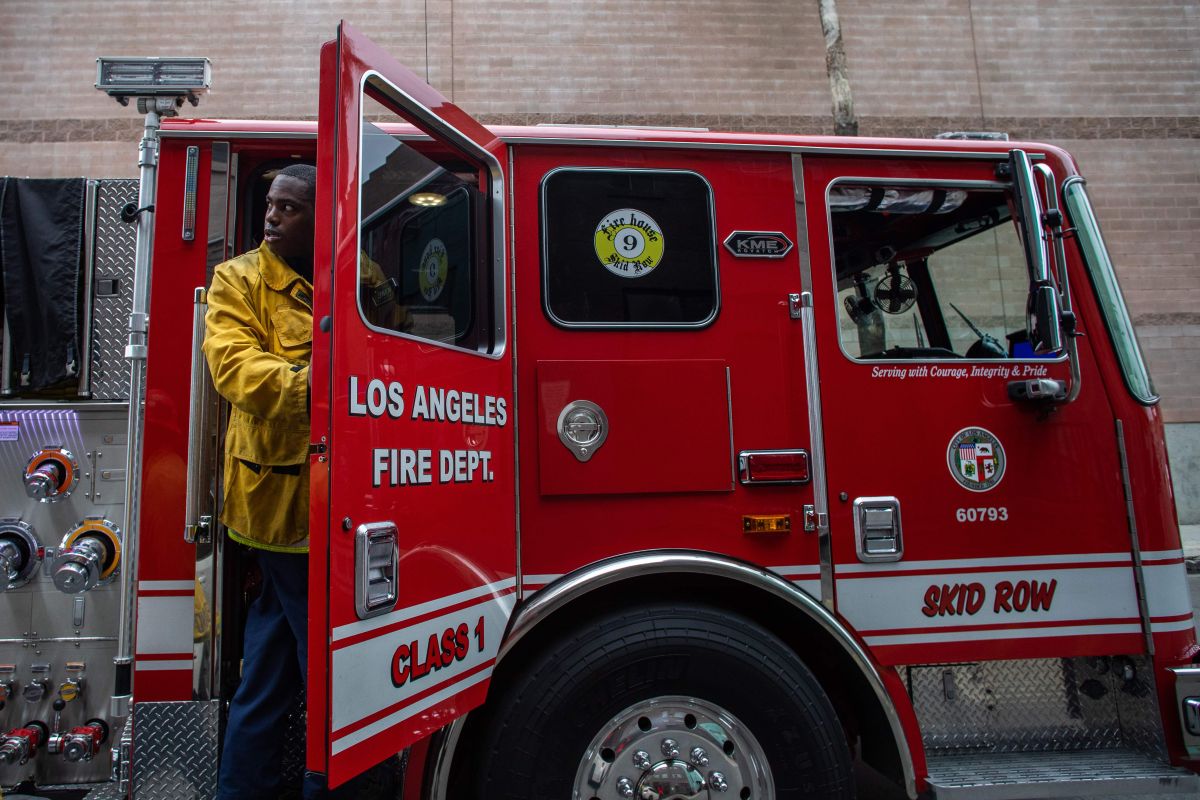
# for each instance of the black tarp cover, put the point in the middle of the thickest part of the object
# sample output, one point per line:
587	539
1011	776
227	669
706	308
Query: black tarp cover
41	255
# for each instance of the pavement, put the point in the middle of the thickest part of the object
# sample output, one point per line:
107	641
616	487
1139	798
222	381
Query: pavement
1190	536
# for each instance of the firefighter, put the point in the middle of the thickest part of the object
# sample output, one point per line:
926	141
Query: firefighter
258	343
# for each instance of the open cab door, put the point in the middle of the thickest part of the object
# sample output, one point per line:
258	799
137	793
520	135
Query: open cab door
412	461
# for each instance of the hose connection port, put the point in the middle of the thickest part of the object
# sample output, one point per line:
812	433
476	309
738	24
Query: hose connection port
89	556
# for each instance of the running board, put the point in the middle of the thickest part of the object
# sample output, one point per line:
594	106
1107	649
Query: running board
1029	776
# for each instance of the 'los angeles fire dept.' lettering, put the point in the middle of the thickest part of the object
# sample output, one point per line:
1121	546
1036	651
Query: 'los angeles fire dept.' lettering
417	466
386	398
950	599
409	467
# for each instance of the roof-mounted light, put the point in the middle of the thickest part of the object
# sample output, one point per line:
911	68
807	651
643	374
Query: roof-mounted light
123	78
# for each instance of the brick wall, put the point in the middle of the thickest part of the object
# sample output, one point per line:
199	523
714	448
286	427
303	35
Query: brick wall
1114	82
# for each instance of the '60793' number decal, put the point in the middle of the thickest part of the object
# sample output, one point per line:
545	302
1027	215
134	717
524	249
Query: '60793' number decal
982	514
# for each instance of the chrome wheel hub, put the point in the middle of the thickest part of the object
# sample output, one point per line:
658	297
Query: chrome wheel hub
674	748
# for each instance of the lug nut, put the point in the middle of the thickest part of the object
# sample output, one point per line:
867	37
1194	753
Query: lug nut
699	757
717	781
625	787
641	759
670	748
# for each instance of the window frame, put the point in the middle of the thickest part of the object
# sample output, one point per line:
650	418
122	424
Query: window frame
488	230
913	183
714	255
1106	288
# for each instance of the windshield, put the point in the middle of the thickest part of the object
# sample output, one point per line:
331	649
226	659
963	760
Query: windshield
1108	292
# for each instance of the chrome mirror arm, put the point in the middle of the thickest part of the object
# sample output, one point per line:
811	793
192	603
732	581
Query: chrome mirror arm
1055	218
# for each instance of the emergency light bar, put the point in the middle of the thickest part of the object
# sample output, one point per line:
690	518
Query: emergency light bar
154	77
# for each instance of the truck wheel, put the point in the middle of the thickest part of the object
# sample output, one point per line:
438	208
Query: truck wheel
663	701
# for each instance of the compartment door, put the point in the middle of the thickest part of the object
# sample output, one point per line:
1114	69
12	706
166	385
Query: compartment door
413	506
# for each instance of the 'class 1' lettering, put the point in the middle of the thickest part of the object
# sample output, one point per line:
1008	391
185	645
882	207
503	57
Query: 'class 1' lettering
441	652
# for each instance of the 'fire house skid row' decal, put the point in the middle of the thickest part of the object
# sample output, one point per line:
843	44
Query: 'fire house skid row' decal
1036	596
394	666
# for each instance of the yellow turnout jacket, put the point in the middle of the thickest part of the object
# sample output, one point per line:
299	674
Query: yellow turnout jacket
258	343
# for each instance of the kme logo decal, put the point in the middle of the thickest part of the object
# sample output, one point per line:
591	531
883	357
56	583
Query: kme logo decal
758	244
976	459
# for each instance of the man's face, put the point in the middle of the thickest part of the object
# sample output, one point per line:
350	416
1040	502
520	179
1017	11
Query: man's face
288	227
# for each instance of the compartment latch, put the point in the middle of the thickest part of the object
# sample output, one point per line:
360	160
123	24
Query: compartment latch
376	568
877	532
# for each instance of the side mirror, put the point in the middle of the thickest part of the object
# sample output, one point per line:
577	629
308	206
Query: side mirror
1044	319
1043	314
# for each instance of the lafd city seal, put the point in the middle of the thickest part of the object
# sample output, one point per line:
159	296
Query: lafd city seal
629	243
976	459
433	269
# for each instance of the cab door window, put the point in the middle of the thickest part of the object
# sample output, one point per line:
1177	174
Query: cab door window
927	271
423	249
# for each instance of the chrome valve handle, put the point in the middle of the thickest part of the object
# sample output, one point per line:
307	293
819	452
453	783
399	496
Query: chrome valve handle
21	744
51	474
20	553
10	562
78	569
89	555
81	743
44	481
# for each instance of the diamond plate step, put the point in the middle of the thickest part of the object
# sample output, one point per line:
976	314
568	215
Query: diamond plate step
1029	776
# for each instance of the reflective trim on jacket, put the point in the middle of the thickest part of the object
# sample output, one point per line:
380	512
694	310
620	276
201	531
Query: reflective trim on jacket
258	343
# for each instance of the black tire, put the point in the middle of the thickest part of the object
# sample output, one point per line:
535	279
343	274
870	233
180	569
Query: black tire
562	703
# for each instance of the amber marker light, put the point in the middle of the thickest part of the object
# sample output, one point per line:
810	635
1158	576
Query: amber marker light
428	199
766	523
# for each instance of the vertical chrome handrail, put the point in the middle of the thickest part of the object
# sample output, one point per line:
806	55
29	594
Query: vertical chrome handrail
816	445
197	529
135	352
91	223
1135	546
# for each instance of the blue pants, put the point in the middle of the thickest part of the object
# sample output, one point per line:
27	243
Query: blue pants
274	669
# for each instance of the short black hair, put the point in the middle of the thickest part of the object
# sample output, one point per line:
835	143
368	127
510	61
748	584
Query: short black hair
305	173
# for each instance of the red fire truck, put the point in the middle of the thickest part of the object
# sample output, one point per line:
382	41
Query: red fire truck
645	464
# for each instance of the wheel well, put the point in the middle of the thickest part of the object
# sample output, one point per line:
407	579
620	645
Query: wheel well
858	708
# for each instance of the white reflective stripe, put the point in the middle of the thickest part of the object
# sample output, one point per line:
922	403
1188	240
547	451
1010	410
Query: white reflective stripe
164	624
1161	555
1167	590
380	725
1005	633
361	673
1079	595
792	570
163	586
811	588
366	625
972	563
159	666
539	580
1170	627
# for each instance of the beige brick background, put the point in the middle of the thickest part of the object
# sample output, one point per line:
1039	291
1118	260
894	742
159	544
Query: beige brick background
1116	82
